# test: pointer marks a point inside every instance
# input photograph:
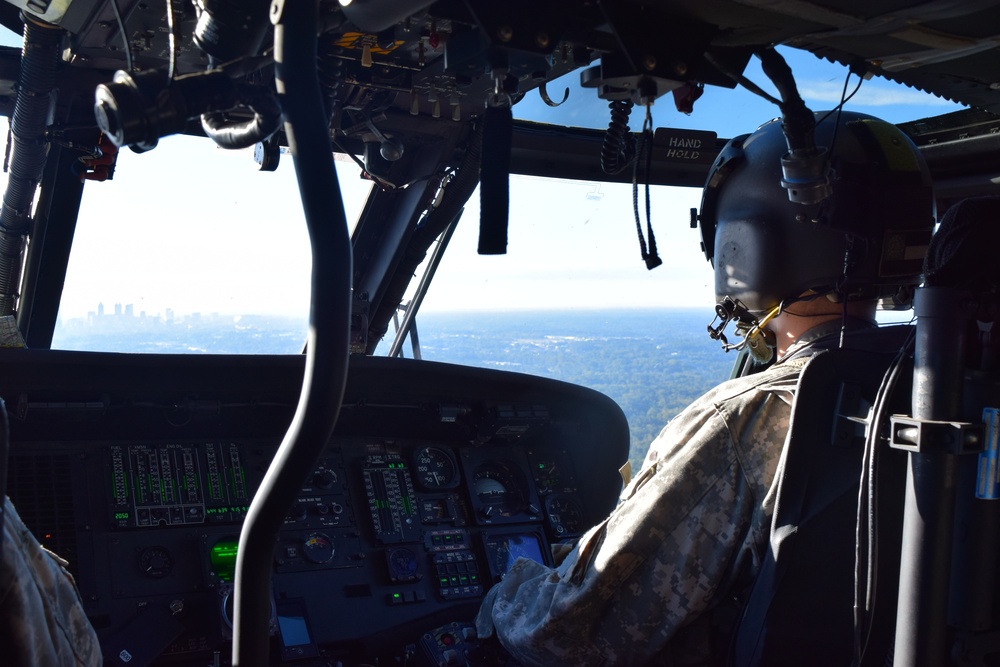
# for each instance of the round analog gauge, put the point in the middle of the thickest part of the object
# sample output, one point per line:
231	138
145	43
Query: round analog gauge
499	491
156	562
402	564
547	476
565	515
317	548
435	468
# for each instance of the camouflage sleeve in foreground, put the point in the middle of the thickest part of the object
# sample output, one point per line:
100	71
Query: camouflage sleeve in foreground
698	510
42	622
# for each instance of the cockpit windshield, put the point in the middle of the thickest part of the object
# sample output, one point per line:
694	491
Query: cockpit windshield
222	268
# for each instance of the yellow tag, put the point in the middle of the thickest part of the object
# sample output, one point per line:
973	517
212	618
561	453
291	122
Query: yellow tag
626	472
359	40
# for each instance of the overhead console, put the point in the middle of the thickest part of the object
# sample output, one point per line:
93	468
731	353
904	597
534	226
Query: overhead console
140	470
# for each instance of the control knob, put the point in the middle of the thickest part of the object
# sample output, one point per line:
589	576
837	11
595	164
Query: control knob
324	478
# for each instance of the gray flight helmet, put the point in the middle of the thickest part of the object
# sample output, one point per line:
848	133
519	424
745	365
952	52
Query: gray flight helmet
866	240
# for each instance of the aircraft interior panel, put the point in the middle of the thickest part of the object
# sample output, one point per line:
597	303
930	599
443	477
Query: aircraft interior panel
432	485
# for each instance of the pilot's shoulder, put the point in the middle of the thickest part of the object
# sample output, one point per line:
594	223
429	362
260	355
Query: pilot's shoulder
43	622
780	378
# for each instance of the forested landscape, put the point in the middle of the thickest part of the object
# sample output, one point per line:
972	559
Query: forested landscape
651	362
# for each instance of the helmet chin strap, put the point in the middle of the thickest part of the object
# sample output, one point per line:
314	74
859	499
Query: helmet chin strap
759	341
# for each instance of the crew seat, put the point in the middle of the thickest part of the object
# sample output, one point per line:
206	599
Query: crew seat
800	609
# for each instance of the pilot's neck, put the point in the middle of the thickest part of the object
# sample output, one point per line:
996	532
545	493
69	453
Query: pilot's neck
802	316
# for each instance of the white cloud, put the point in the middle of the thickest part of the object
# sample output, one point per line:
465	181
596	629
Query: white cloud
872	94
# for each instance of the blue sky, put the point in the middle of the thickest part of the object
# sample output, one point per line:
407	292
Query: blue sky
732	111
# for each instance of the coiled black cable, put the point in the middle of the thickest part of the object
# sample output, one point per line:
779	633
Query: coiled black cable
618	149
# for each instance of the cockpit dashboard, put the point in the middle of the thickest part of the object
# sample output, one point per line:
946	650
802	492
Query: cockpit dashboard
140	469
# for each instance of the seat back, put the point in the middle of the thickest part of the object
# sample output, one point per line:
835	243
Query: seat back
800	609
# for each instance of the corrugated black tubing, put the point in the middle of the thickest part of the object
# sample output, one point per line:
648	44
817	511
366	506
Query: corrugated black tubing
39	59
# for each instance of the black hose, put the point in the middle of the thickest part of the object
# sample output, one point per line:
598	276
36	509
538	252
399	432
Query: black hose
39	59
805	169
797	121
231	134
329	319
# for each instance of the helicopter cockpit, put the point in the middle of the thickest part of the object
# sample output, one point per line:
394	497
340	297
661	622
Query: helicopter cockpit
331	502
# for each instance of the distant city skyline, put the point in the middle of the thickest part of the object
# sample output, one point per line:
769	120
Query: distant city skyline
122	311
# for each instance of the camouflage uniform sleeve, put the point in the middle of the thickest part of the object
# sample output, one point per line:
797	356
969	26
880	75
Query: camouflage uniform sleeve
665	552
43	622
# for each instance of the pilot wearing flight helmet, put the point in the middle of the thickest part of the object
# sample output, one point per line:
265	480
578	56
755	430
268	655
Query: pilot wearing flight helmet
655	581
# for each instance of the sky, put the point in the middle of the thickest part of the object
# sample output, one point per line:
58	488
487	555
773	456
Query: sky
194	228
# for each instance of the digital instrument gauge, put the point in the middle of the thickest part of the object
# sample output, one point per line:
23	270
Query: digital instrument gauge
435	468
565	515
392	502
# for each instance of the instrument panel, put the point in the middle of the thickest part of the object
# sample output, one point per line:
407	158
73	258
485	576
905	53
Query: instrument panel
436	480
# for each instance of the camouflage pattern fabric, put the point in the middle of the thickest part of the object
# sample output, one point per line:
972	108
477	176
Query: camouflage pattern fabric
638	585
42	622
